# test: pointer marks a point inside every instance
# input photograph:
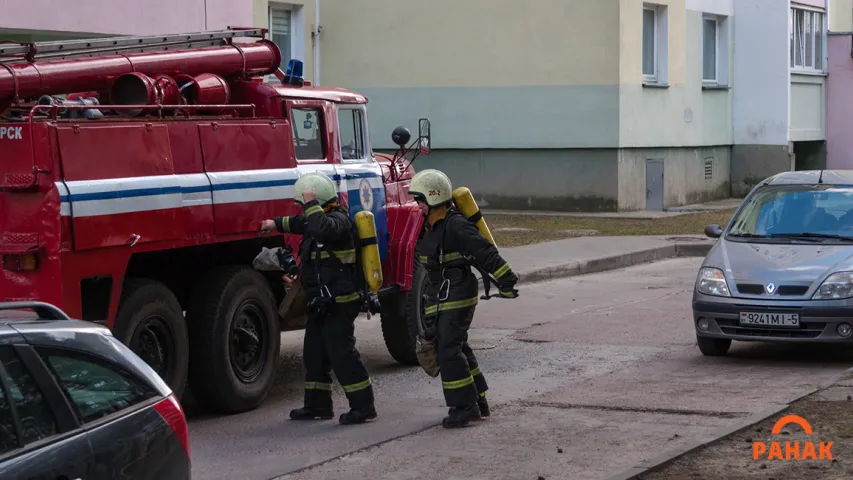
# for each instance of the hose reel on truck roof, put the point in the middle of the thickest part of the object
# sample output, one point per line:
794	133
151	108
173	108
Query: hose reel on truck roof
149	76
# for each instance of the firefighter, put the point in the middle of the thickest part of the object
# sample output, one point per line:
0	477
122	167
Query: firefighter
450	245
327	271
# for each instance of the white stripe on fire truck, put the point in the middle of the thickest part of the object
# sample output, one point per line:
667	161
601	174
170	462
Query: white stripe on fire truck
138	194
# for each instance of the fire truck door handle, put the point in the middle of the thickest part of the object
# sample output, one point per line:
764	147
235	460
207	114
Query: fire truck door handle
133	239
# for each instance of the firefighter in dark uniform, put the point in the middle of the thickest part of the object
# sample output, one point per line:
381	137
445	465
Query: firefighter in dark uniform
449	246
327	271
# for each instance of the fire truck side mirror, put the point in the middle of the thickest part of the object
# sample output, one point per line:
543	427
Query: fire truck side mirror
424	136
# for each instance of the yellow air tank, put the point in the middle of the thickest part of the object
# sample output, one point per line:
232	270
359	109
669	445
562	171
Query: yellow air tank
464	200
371	263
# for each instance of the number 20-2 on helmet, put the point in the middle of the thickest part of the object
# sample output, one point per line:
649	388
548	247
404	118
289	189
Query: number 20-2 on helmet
322	185
431	187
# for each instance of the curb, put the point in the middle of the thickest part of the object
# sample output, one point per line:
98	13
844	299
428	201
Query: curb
663	460
603	264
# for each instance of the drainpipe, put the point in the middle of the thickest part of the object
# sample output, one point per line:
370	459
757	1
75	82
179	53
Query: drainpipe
316	42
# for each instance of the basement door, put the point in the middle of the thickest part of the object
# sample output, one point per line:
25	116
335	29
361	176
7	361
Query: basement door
654	185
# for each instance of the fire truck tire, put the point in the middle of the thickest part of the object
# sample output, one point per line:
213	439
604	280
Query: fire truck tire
150	322
402	318
234	339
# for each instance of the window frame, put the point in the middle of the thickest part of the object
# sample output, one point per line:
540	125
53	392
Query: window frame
325	144
717	24
660	49
297	30
365	138
812	14
651	77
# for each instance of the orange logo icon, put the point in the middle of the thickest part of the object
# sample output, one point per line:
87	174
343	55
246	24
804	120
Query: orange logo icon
792	450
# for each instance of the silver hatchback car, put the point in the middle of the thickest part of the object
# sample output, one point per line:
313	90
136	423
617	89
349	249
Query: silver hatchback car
782	269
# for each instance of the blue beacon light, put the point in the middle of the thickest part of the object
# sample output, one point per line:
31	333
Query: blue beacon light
293	75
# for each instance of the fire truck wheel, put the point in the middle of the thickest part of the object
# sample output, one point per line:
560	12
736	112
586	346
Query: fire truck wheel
150	322
402	318
234	339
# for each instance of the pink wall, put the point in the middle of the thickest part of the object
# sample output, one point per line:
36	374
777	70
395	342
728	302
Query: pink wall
839	104
131	17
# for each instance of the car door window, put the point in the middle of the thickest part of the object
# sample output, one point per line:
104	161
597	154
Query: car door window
37	419
95	387
8	433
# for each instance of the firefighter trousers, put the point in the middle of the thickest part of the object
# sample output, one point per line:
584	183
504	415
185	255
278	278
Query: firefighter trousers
330	345
461	378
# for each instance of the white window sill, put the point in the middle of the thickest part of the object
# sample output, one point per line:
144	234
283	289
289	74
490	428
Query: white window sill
654	84
715	86
815	73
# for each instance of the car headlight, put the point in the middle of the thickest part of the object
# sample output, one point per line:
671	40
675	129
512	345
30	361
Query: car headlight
712	281
837	286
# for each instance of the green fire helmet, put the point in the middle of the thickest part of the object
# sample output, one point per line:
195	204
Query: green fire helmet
431	187
322	185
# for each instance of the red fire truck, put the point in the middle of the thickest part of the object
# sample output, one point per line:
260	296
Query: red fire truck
135	172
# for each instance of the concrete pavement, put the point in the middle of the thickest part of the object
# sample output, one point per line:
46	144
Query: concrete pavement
589	376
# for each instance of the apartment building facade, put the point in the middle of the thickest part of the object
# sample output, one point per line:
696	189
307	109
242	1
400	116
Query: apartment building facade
559	104
583	104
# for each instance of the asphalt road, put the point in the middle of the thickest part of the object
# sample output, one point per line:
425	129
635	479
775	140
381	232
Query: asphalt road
588	375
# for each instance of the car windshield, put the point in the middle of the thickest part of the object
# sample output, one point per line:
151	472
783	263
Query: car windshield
797	212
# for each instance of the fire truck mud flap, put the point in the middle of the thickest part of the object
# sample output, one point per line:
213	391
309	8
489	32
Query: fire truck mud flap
234	339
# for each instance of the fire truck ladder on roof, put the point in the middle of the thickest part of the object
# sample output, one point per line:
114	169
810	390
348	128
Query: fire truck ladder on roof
94	47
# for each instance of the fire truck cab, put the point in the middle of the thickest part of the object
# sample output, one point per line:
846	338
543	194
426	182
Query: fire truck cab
135	173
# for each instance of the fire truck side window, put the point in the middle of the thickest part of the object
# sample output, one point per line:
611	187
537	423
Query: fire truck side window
350	128
308	133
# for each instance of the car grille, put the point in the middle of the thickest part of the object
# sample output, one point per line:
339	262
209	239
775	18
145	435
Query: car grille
806	330
785	290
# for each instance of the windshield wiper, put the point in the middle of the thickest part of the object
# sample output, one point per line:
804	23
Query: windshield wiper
812	235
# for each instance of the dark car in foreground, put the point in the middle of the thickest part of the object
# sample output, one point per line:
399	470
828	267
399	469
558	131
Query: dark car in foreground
75	403
782	269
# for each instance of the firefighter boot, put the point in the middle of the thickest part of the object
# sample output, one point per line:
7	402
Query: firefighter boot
360	415
461	416
311	413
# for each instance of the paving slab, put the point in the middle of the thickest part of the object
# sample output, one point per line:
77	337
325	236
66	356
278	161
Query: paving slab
549	443
750	379
663	318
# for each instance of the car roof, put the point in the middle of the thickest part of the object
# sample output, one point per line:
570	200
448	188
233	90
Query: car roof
24	325
89	337
811	177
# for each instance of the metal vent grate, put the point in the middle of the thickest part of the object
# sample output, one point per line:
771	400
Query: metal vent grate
709	168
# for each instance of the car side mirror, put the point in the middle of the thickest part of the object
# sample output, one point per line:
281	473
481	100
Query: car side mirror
713	231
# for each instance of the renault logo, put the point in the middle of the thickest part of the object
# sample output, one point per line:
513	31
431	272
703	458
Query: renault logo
771	287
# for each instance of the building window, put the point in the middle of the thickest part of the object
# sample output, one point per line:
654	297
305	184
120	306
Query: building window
808	39
654	43
715	50
710	43
281	31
